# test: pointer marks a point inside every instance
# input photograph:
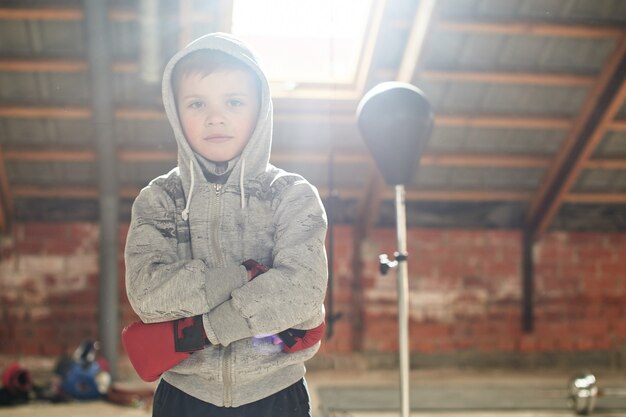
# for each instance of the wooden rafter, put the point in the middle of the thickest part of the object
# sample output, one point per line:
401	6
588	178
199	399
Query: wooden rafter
508	122
429	159
366	58
50	155
511	122
40	112
49	13
617	126
85	155
485	160
605	163
532	28
43	65
595	198
28	191
586	132
60	65
60	14
68	192
417	37
580	161
545	79
465	195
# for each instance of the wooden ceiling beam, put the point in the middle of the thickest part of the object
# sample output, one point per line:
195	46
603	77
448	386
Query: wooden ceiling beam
617	126
60	65
319	157
47	13
50	155
417	37
78	192
465	195
544	79
24	191
595	198
532	28
548	79
580	162
54	155
505	122
485	160
370	40
594	119
43	65
60	14
605	163
42	112
69	192
511	122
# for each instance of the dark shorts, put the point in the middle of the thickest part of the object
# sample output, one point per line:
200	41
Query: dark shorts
293	401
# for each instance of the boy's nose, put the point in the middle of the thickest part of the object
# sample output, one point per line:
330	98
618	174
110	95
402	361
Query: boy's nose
213	119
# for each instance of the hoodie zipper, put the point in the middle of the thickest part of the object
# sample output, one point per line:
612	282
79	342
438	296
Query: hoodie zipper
227	377
214	222
226	358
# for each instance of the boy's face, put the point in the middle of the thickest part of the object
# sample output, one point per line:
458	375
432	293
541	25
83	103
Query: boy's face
218	112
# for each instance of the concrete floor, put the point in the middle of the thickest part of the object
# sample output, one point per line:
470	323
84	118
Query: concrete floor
440	393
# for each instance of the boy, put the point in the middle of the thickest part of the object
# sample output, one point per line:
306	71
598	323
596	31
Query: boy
230	240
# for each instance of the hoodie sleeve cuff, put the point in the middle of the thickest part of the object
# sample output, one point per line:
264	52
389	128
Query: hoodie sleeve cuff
224	324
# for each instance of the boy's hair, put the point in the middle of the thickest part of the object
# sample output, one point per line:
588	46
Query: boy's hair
205	62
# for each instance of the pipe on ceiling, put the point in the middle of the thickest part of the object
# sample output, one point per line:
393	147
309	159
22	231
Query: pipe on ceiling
101	82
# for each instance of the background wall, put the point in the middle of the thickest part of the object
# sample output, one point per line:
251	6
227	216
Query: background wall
465	296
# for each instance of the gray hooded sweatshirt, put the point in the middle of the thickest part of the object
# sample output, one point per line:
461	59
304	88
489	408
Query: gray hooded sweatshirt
188	238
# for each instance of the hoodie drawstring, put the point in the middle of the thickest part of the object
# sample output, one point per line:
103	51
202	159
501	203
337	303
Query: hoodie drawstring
185	213
243	192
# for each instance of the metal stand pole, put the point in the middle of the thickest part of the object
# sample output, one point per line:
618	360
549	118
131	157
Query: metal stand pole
403	300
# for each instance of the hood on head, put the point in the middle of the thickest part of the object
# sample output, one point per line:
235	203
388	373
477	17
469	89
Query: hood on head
255	156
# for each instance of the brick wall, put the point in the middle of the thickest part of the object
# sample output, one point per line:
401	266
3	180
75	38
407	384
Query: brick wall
464	291
49	288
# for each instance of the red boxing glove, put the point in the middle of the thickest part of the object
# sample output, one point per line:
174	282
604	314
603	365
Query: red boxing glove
254	268
296	339
156	347
17	379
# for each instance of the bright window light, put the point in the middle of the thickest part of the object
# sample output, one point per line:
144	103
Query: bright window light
300	41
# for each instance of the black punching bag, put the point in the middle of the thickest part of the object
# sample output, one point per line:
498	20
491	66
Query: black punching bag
395	120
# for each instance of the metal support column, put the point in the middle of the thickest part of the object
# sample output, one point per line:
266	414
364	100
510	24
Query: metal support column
99	52
403	300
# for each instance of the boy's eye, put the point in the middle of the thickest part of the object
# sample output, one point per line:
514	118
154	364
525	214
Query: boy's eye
234	102
196	104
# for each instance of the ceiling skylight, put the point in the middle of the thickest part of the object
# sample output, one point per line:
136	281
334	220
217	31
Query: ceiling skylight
304	42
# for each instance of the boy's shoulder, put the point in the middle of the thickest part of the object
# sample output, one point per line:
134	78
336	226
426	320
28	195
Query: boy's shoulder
273	183
277	179
170	183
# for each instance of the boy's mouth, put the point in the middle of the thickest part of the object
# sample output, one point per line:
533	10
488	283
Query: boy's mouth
217	138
